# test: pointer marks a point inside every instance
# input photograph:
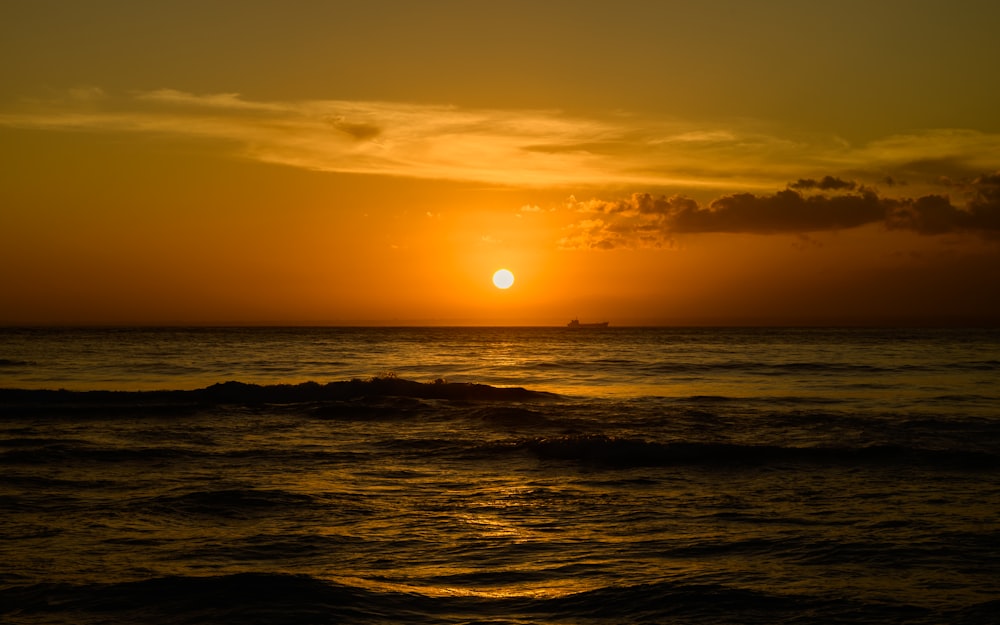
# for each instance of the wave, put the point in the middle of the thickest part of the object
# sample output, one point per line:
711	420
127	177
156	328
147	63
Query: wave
293	599
55	454
812	369
242	597
230	503
18	400
84	452
513	416
599	449
10	362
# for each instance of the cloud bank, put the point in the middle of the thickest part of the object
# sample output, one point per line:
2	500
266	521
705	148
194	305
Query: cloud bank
517	147
805	206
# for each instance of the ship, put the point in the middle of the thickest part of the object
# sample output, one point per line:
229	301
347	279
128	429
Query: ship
576	325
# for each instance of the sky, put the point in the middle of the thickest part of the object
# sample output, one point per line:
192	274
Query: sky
374	163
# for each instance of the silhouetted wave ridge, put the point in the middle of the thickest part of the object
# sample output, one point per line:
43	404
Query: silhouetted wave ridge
243	393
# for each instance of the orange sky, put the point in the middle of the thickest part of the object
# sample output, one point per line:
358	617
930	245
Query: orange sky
375	163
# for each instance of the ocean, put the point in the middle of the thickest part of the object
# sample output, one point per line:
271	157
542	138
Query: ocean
499	475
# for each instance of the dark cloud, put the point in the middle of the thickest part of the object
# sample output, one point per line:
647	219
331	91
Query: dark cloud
988	182
645	220
827	183
935	214
785	211
930	214
984	208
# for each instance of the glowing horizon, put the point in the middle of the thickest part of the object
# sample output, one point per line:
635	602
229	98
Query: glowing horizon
374	170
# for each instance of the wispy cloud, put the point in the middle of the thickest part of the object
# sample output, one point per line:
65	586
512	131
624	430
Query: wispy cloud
512	147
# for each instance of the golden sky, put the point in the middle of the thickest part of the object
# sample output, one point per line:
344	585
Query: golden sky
710	162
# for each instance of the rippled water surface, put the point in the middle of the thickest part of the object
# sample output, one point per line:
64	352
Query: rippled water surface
635	475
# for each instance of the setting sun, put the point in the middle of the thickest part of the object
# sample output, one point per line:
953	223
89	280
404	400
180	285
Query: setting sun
744	271
282	185
503	279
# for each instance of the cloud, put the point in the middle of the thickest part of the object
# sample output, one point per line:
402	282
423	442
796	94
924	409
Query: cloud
358	130
644	220
937	214
381	138
221	101
827	183
87	94
529	148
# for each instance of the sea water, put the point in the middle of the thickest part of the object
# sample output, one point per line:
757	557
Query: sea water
501	475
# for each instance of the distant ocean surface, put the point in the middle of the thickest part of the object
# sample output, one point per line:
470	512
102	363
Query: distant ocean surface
499	475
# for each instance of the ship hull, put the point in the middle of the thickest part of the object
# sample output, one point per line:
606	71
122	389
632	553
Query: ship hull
576	325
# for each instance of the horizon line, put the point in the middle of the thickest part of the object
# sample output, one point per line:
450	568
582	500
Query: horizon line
934	322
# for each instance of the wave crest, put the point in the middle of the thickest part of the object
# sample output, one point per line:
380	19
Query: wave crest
605	450
21	400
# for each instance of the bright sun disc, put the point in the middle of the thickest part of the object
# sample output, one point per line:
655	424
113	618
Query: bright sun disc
503	278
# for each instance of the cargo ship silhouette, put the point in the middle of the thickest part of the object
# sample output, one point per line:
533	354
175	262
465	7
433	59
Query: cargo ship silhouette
575	324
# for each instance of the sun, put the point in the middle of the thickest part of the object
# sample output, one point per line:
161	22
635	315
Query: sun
503	278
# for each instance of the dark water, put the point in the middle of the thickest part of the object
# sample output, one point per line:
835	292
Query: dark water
635	476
